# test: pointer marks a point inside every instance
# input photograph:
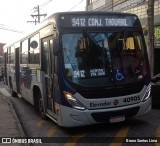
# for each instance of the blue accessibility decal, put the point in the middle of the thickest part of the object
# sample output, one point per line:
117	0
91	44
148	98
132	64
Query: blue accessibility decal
119	74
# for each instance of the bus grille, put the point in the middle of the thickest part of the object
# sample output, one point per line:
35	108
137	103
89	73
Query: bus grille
105	116
112	92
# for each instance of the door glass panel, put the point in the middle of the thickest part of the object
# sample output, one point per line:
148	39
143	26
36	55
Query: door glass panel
46	57
48	92
47	44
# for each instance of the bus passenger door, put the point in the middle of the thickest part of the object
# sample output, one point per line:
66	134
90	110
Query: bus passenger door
47	57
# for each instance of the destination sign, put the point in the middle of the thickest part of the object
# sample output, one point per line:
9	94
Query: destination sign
98	21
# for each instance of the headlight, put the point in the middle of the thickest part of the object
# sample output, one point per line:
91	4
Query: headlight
73	101
147	93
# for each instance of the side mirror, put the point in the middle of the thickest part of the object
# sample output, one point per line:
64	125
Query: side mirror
34	44
55	46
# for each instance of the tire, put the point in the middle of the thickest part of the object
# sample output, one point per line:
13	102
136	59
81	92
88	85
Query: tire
13	94
39	106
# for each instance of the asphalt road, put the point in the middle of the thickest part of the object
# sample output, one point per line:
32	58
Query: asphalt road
147	126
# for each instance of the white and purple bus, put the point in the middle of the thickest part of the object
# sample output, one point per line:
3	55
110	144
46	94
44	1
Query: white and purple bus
82	68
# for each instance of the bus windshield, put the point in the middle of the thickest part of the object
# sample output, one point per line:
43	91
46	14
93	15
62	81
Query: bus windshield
93	59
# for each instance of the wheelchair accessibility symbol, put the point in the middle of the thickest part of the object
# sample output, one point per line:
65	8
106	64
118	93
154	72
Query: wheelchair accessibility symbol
119	74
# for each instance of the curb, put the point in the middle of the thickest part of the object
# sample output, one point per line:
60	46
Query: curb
18	123
20	128
10	104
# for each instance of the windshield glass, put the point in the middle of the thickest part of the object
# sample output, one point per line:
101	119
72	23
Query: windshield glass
103	58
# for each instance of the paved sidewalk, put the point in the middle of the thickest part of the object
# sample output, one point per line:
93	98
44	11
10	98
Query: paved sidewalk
9	123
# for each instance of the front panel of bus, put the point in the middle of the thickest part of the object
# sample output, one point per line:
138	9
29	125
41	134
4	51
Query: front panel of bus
104	67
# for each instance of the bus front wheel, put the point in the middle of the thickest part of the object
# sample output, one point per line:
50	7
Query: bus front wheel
13	93
39	106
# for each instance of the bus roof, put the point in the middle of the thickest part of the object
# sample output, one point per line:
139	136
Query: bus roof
57	14
54	18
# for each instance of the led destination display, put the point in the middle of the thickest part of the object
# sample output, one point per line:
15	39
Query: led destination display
99	21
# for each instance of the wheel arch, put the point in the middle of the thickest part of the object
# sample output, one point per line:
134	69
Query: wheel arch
13	93
36	94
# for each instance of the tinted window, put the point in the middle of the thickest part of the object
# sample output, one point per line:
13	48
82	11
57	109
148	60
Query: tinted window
100	59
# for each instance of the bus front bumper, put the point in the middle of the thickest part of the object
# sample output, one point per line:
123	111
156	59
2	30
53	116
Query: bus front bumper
72	118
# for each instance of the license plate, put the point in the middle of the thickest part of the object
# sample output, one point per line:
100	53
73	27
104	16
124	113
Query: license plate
117	119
